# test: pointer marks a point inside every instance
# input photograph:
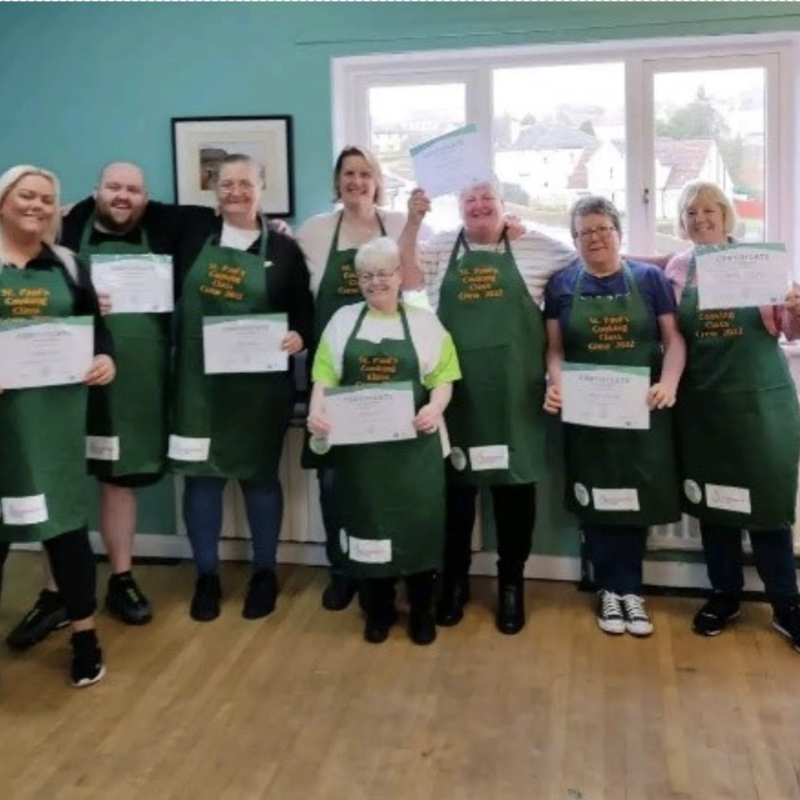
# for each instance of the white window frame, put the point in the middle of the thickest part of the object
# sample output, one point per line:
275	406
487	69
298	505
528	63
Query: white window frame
352	77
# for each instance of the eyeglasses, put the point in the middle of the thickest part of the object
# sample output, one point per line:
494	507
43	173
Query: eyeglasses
602	232
226	187
380	274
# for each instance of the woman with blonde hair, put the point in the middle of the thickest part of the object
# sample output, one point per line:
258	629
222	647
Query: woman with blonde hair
738	428
43	429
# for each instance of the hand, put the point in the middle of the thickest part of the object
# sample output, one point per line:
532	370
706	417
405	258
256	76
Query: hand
102	371
292	343
552	399
428	418
281	226
418	206
318	424
104	301
660	396
793	303
515	227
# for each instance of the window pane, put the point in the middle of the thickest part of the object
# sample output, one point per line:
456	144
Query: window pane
710	125
401	117
559	134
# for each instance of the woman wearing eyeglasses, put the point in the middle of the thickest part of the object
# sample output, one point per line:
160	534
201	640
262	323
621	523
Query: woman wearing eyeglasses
389	496
232	425
329	242
615	314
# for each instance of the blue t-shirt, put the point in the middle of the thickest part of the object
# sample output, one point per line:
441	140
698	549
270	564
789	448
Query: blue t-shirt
655	289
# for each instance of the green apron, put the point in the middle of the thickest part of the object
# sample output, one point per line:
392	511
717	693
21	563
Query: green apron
495	419
43	430
598	459
390	495
337	289
738	419
132	410
240	419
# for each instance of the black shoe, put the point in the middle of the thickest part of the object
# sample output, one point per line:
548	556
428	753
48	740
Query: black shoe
207	595
261	595
126	601
339	593
87	660
421	627
510	617
786	621
713	617
377	626
47	615
452	599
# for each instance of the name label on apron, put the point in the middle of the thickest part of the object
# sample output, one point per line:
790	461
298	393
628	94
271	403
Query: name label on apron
616	499
189	448
728	498
492	456
25	510
102	448
369	551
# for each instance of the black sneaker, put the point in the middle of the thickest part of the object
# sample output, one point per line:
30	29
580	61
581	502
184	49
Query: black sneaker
377	626
126	601
87	660
714	616
47	615
339	593
261	595
207	595
787	622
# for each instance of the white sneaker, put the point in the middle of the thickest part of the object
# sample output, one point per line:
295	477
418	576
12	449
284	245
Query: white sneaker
610	618
637	620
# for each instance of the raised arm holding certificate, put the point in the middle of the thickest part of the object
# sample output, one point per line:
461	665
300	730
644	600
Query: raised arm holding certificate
368	414
605	397
37	353
742	275
245	343
136	283
448	163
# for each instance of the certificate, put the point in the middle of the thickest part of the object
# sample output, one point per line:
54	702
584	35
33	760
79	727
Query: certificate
139	284
245	343
605	396
451	162
742	275
368	414
46	352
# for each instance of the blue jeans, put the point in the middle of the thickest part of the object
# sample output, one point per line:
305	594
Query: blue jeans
772	552
616	553
202	513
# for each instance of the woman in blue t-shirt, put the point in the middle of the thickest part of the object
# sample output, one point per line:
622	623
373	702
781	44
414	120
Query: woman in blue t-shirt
612	322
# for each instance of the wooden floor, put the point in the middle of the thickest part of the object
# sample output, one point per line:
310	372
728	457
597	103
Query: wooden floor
298	706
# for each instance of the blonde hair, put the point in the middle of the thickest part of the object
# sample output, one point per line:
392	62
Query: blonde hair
11	177
705	190
380	253
377	173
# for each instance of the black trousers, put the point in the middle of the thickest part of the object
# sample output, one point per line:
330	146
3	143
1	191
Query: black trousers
378	594
72	563
514	517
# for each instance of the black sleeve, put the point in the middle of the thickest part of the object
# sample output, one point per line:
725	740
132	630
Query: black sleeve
73	223
86	304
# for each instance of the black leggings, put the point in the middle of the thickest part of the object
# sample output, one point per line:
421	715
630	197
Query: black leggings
72	563
514	516
378	594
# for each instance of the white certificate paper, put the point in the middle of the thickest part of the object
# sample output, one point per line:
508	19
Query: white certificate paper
138	284
369	414
245	343
605	396
50	352
451	162
742	275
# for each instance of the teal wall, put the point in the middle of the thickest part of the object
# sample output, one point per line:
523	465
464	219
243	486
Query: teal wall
86	83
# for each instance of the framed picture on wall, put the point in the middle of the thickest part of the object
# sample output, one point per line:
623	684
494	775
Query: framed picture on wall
200	143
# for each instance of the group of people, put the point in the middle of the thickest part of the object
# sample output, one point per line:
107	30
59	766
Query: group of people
480	322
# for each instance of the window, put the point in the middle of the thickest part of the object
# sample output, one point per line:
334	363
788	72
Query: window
633	121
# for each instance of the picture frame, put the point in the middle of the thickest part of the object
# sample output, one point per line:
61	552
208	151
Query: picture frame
199	143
